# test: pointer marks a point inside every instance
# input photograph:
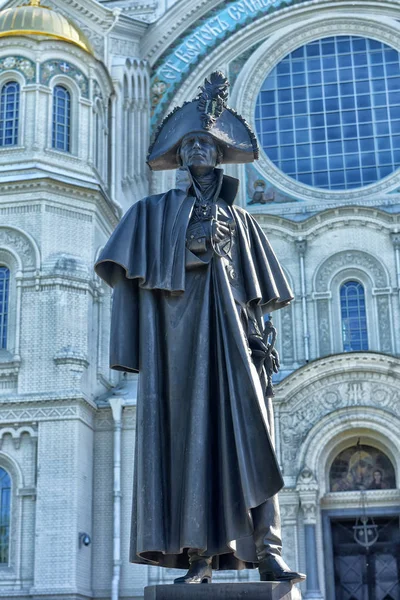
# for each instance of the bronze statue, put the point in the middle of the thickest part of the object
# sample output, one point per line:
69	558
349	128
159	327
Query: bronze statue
193	276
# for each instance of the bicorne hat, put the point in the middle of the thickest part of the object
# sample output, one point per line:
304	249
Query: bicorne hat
207	113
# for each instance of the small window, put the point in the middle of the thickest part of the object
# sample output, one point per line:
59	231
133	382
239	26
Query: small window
354	319
5	500
4	298
9	114
61	119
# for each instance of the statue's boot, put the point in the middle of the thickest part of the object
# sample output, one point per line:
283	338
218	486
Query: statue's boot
200	570
268	542
274	568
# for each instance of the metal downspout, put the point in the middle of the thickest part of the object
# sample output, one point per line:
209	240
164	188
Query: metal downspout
116	404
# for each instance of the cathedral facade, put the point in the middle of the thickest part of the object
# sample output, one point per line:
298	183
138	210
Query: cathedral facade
83	86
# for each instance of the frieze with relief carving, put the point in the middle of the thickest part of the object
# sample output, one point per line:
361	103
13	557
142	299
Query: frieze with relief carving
384	323
16	240
327	396
355	259
324	329
287	335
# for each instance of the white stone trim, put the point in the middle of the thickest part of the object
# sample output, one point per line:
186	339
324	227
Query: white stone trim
76	109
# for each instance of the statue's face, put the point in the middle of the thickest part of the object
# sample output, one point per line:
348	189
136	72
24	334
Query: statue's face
199	151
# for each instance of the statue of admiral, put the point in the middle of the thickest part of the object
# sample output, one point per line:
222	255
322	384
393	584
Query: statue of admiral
193	276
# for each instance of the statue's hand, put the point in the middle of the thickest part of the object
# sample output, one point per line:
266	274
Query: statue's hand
219	231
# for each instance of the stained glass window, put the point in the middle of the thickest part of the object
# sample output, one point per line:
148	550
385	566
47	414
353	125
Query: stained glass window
9	113
5	501
354	319
61	119
4	300
328	115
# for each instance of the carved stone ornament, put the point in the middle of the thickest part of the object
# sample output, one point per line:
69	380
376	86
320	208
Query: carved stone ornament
306	481
287	338
354	258
384	323
19	243
309	507
396	239
324	329
329	395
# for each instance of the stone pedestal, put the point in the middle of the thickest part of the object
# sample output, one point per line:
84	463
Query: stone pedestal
224	591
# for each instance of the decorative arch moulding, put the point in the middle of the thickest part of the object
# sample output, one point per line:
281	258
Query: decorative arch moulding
170	71
21	64
61	67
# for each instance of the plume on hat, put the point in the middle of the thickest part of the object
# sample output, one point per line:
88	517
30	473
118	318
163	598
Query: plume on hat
213	98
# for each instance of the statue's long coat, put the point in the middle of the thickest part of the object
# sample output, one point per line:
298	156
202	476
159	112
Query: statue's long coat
204	455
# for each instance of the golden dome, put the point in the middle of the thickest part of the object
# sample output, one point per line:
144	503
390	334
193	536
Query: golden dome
33	19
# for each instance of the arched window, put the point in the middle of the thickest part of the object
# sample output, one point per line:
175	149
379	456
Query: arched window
354	320
9	114
61	118
98	138
5	501
4	297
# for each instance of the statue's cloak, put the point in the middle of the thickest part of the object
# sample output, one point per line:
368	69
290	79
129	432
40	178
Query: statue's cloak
203	454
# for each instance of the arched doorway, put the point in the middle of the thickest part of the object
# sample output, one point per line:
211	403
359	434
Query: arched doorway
362	537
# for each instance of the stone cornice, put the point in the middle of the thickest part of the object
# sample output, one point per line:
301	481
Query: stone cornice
39	400
330	218
334	500
355	362
95	196
127	25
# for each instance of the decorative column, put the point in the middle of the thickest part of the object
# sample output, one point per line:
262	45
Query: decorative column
396	243
289	510
301	246
307	487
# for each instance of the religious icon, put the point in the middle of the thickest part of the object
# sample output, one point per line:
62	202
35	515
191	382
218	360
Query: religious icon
361	468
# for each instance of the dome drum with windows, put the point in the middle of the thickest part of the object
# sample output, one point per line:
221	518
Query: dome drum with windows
37	20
